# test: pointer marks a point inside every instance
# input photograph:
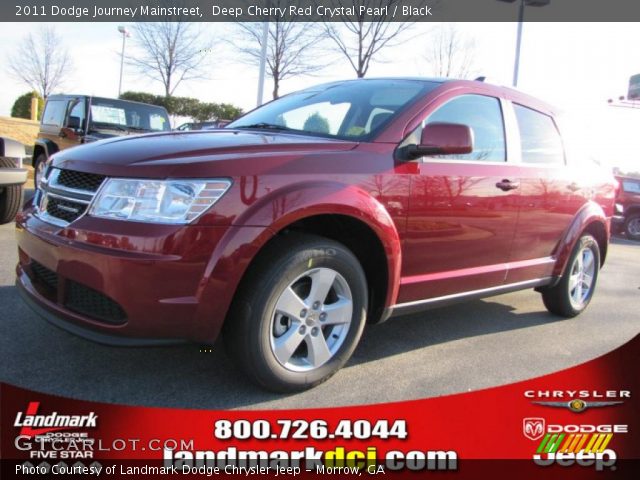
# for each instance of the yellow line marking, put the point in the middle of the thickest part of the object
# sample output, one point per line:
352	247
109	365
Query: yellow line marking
605	443
594	436
596	445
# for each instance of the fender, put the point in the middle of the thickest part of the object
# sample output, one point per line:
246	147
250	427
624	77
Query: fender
289	204
279	209
48	146
589	214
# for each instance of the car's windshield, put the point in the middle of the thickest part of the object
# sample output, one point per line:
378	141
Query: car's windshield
354	110
121	115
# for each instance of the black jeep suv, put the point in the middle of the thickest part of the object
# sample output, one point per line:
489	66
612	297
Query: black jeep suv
70	120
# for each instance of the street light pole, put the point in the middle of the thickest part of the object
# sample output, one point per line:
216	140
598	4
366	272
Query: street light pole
125	33
523	3
516	65
263	62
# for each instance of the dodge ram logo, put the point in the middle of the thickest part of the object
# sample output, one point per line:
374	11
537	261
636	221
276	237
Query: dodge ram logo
533	428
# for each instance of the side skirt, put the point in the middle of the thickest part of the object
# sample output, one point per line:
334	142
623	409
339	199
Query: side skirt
421	305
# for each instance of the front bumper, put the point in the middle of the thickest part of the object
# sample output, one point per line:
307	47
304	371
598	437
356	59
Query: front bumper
125	295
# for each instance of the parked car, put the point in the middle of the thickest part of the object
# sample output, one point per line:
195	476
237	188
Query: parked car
186	127
71	120
627	209
12	178
338	205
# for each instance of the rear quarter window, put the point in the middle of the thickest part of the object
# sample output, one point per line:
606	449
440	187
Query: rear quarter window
539	138
54	112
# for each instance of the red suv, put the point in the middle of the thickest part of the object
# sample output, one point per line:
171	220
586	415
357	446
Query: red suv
346	203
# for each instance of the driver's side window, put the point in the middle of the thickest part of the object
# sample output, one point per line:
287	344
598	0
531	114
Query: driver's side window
77	111
483	115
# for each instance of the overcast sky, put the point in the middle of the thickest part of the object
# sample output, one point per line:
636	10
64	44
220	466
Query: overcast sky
576	66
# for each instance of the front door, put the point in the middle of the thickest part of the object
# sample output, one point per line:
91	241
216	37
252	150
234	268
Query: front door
463	209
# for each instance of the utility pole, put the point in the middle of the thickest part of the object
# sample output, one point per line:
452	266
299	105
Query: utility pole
125	33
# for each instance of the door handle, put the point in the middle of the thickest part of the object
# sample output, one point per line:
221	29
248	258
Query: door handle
573	187
506	185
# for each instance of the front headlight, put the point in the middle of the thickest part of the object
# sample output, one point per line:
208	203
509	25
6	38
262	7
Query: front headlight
157	201
619	208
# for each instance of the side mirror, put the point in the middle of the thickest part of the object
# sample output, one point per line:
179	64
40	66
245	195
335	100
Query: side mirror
443	139
73	123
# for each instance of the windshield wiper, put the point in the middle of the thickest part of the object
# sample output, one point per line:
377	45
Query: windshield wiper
266	126
138	129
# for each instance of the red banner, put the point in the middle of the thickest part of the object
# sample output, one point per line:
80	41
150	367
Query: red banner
582	422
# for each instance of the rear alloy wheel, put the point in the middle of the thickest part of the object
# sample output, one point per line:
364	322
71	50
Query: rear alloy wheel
632	226
572	294
300	313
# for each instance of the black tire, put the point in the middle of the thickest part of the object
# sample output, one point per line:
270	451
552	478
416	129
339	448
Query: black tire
249	330
10	197
631	225
40	160
558	299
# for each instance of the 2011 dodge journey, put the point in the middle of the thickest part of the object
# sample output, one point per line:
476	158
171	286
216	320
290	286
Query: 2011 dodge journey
290	229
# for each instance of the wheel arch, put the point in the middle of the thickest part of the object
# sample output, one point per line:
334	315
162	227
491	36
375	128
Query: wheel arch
589	219
342	213
43	146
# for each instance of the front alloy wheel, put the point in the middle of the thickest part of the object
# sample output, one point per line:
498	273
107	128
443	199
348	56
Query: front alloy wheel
311	319
299	313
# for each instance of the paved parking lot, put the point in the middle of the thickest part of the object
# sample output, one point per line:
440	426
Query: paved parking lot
455	349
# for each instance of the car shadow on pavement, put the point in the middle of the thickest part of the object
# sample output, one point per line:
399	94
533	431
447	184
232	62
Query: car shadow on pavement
39	356
445	324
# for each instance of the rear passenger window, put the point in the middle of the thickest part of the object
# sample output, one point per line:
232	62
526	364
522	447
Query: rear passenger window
539	137
484	116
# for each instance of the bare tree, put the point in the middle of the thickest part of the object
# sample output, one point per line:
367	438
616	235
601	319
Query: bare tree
41	61
361	41
291	48
170	52
451	53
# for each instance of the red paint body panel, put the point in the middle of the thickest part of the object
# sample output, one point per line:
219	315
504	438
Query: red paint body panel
444	226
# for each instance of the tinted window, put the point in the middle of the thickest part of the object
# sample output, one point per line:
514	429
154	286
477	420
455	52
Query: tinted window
539	137
630	186
54	112
484	116
349	110
77	110
118	115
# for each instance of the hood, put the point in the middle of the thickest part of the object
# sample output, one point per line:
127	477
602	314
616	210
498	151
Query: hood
198	154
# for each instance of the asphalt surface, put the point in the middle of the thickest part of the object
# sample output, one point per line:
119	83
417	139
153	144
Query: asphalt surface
466	347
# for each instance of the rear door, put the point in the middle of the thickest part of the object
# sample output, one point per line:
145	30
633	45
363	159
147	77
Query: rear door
551	193
463	209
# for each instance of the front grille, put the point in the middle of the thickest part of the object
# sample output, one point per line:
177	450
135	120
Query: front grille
86	301
65	195
64	209
80	180
44	276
